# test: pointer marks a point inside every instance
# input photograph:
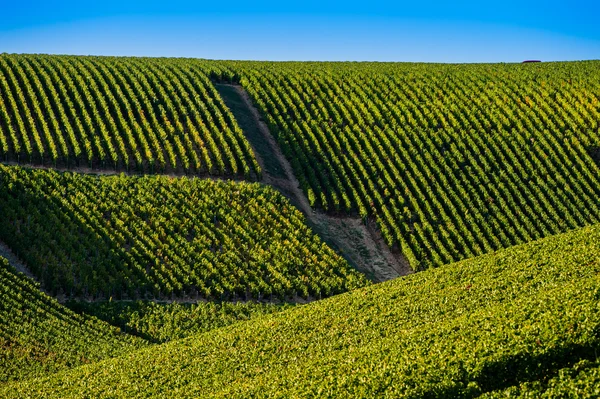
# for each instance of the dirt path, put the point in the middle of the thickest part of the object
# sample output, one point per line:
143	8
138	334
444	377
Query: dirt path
361	245
14	261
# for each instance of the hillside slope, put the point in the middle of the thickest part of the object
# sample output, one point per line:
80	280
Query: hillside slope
514	318
167	321
134	114
449	161
159	237
452	161
38	336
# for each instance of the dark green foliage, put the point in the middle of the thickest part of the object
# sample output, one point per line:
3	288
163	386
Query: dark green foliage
582	380
163	237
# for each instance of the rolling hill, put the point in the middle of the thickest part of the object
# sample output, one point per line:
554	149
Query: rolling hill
38	336
203	228
523	320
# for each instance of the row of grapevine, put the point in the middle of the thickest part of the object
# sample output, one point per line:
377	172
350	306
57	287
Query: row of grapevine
451	161
167	321
160	237
141	115
38	336
523	320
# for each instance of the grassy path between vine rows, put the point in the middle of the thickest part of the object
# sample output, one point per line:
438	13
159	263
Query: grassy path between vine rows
100	171
361	245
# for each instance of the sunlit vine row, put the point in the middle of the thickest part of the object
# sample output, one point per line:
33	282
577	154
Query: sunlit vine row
38	336
127	114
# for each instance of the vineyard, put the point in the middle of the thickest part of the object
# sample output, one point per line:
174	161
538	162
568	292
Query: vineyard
163	237
451	161
124	114
38	336
163	322
523	319
197	228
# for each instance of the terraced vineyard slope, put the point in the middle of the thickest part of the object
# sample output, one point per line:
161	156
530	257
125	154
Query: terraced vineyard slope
133	114
452	161
38	336
523	320
162	237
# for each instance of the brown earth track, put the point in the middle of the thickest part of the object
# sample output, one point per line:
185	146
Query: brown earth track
362	245
112	172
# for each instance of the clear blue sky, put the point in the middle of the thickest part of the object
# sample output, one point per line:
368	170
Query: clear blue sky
419	30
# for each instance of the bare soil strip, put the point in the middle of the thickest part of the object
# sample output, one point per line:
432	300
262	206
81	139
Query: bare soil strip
361	245
113	172
14	261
